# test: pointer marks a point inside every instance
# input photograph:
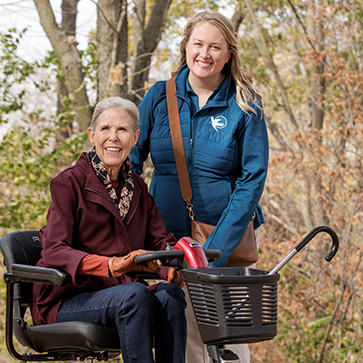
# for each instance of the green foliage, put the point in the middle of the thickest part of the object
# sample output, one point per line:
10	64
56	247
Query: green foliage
187	9
89	62
301	341
27	163
13	71
30	152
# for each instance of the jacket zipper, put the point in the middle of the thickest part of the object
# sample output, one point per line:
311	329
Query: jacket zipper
102	195
137	205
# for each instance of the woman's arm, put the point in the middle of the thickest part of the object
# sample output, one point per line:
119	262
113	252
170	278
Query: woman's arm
115	266
57	236
94	265
253	149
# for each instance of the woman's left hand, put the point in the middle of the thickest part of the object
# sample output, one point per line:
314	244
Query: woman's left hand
176	277
124	264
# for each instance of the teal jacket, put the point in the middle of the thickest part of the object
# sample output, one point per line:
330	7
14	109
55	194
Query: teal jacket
227	157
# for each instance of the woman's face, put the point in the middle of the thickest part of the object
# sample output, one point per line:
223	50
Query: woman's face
113	137
206	52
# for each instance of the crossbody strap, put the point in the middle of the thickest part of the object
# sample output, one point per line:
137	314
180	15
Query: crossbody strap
178	147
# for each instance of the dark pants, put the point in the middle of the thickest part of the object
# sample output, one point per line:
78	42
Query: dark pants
142	318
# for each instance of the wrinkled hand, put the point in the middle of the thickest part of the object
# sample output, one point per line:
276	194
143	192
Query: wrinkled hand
176	277
121	265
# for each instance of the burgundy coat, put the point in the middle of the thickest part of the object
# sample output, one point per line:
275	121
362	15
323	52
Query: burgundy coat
81	220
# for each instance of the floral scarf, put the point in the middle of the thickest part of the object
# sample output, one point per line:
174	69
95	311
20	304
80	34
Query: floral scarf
125	179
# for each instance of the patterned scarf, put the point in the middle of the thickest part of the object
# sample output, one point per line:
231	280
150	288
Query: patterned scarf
125	179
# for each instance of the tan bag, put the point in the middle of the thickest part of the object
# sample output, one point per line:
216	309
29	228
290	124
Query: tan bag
245	253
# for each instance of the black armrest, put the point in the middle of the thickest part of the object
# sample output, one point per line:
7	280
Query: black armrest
27	273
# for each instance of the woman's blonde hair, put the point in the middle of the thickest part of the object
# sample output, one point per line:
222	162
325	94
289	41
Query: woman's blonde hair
245	92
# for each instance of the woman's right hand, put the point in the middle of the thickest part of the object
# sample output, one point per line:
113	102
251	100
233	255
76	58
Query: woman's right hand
176	277
124	264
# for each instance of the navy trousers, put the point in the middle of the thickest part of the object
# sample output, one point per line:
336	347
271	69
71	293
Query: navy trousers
143	318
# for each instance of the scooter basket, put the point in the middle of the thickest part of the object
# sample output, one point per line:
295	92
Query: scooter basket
233	304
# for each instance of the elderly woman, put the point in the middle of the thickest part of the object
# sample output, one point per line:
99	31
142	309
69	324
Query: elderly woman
100	218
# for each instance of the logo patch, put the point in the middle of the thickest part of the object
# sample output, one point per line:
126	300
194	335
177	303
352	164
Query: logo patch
218	122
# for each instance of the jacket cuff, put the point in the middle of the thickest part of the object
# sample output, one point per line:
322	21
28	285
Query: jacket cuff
163	272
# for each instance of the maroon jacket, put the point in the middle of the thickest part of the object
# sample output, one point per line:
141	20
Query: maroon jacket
81	220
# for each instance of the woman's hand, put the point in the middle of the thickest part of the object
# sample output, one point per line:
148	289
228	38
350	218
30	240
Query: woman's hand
176	277
121	265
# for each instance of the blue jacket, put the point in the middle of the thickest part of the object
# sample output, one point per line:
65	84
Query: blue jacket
227	157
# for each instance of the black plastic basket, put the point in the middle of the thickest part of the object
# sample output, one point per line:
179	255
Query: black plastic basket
233	304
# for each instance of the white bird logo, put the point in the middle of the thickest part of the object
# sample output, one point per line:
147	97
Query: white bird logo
218	122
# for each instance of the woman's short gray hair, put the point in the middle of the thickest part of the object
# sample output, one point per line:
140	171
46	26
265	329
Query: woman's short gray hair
118	103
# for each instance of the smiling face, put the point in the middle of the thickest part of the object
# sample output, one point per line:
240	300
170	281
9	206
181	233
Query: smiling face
206	52
113	137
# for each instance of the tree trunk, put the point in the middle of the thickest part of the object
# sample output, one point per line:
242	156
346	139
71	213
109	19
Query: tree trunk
66	51
112	46
317	84
237	19
112	52
317	67
271	64
146	39
69	17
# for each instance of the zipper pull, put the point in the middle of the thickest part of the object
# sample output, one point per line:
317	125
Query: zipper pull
191	143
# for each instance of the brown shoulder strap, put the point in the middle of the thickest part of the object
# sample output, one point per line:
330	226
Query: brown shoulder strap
177	140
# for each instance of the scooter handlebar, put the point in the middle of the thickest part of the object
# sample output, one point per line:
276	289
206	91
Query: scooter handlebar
313	233
163	255
305	241
170	257
212	254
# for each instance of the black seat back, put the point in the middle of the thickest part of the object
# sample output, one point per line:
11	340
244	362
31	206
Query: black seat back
74	340
21	247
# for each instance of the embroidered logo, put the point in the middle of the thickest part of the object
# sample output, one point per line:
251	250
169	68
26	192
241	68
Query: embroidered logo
218	122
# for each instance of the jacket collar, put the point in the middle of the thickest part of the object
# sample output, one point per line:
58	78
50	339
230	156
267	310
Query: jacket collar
95	192
218	99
